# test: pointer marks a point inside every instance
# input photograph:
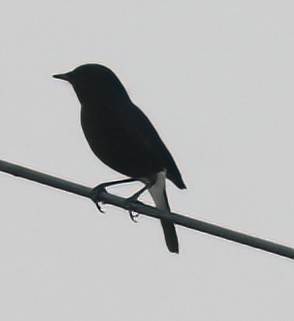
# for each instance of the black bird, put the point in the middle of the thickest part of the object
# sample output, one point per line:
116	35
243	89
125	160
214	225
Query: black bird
122	137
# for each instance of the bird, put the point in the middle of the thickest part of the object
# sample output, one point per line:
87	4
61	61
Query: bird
123	137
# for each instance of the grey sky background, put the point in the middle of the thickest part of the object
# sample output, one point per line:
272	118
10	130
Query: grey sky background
216	79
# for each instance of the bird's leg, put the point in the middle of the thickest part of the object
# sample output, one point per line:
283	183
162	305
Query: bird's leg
134	198
102	188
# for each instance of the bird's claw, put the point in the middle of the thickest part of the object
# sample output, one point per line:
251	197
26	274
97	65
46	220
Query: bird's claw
133	216
101	188
128	202
96	192
99	208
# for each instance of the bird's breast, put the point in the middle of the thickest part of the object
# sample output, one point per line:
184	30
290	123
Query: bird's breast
100	130
118	140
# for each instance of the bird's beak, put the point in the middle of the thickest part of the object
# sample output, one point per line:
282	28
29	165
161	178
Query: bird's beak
65	76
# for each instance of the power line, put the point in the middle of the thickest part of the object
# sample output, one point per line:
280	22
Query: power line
141	208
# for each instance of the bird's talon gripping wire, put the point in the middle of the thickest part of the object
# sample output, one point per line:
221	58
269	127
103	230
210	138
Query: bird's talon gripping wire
101	188
133	216
96	192
133	199
128	207
99	208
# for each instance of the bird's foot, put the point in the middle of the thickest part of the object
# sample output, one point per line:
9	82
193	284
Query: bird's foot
133	216
133	199
101	188
128	204
96	192
99	207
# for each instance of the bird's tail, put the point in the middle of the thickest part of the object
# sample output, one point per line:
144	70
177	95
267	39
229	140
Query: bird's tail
158	193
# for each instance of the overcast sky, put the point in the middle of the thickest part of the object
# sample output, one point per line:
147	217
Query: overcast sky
216	79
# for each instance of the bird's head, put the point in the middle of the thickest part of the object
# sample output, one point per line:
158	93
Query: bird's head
95	84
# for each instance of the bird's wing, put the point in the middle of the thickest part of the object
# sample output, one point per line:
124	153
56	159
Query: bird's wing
150	137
